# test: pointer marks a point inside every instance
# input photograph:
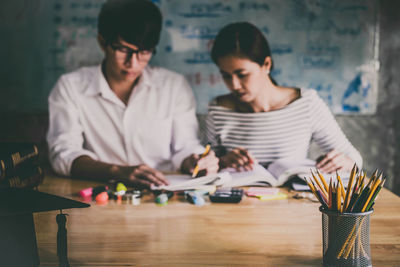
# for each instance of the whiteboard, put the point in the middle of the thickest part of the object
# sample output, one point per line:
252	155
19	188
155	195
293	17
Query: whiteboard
329	45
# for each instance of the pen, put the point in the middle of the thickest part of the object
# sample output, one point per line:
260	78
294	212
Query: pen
196	169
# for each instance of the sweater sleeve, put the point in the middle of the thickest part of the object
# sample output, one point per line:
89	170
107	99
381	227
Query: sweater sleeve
210	130
212	135
327	133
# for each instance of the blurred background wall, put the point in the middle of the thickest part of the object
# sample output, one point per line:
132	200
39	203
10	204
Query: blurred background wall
23	110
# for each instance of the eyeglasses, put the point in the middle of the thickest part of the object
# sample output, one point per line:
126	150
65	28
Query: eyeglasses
124	53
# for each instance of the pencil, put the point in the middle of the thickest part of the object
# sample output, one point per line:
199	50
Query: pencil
315	190
348	192
311	187
353	200
322	200
317	194
371	203
323	180
364	194
196	169
361	198
330	195
338	198
375	186
334	197
363	180
325	193
341	185
354	194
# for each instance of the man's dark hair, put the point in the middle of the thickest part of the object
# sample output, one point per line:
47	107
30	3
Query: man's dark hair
137	22
241	39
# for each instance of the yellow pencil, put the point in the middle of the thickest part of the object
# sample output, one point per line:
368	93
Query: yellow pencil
362	182
373	177
311	186
325	193
371	193
330	204
348	192
323	180
196	169
338	198
341	185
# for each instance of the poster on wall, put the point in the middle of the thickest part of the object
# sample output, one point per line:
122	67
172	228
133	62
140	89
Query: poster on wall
330	46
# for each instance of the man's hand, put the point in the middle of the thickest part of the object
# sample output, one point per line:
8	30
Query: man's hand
239	159
334	160
141	175
207	164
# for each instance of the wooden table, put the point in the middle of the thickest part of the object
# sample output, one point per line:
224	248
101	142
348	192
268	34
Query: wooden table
265	233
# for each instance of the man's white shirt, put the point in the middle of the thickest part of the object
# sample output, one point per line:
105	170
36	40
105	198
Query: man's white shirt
157	126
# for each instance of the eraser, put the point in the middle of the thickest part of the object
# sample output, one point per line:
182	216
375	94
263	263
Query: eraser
98	189
87	192
119	199
162	199
120	187
198	200
102	198
195	198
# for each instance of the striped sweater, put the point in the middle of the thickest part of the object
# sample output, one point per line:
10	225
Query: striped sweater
283	133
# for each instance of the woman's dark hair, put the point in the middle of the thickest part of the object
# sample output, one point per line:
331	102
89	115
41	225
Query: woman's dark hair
241	39
137	22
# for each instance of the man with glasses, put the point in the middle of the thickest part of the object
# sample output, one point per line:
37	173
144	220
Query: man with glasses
124	119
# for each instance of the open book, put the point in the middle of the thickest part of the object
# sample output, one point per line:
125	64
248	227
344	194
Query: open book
279	172
178	182
276	174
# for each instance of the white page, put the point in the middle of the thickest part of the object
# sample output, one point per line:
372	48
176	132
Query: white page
287	167
186	182
258	176
175	179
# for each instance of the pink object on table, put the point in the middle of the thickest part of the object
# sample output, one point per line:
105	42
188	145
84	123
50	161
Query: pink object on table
261	191
87	192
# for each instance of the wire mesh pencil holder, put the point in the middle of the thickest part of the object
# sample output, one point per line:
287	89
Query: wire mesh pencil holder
345	238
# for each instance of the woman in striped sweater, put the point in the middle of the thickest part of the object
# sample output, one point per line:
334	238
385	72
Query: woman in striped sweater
261	121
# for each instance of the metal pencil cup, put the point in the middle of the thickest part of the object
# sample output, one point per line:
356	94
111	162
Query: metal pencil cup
345	238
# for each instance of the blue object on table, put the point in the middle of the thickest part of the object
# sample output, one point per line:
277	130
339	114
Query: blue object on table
195	198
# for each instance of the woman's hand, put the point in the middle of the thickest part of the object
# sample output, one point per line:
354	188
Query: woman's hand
334	161
239	159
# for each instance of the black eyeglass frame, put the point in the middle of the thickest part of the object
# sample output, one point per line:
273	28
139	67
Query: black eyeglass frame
129	52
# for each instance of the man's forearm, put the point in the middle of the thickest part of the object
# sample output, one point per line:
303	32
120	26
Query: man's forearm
86	167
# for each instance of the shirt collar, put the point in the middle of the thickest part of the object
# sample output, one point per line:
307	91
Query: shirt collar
145	78
98	85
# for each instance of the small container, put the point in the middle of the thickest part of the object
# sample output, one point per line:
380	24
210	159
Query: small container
345	238
136	195
132	197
